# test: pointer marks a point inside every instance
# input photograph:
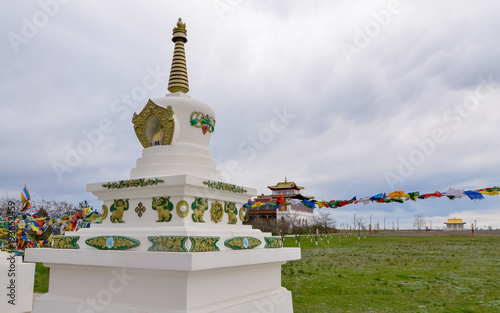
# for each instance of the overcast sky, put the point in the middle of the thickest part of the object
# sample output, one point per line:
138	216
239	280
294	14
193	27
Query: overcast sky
346	98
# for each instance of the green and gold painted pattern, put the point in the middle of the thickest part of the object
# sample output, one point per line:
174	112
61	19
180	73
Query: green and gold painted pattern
232	211
224	186
168	243
273	242
65	242
240	243
164	207
199	206
118	207
141	182
203	121
113	242
203	244
217	212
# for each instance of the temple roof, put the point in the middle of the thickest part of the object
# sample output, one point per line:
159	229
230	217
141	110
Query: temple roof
454	221
294	196
285	185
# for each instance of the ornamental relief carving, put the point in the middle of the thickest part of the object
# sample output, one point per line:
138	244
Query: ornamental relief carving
155	125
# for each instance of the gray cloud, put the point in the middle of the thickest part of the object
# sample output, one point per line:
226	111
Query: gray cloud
354	120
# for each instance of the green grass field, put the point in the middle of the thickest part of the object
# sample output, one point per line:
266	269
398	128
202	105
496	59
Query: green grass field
388	274
395	274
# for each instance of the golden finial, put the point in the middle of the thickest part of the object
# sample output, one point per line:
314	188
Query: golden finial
181	27
178	80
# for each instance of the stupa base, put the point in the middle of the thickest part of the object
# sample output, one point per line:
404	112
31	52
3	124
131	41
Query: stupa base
246	281
277	301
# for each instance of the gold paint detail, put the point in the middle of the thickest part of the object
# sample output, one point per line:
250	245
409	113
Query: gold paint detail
154	122
140	209
203	121
164	207
232	211
178	80
203	244
65	242
241	243
242	213
273	242
199	206
141	182
224	186
104	213
118	208
217	212
113	242
179	206
168	243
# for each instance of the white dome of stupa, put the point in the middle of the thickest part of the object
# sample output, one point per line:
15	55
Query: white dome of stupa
175	130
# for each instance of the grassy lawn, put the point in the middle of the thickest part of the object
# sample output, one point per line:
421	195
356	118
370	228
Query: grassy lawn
395	274
41	279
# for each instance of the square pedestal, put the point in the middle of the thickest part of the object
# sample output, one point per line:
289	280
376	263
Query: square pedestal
83	281
16	279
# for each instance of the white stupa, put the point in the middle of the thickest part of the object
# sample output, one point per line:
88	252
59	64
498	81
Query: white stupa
172	238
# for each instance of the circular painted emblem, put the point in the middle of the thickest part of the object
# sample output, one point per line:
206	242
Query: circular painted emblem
217	211
182	208
110	242
245	242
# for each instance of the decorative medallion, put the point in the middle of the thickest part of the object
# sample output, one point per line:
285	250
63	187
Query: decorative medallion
203	244
232	211
182	208
140	209
203	121
199	206
154	126
119	206
112	242
240	243
163	206
65	242
141	182
224	186
273	242
217	212
242	213
168	243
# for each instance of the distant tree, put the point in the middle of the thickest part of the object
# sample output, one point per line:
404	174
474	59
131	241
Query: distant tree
419	222
83	205
282	228
324	219
294	221
42	213
360	225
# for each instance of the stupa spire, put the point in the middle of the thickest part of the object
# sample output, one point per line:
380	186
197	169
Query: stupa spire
178	80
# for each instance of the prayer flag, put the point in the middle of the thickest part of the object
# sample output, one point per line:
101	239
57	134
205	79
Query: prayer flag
25	197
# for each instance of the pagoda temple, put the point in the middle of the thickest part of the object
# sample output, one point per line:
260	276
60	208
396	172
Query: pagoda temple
285	199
